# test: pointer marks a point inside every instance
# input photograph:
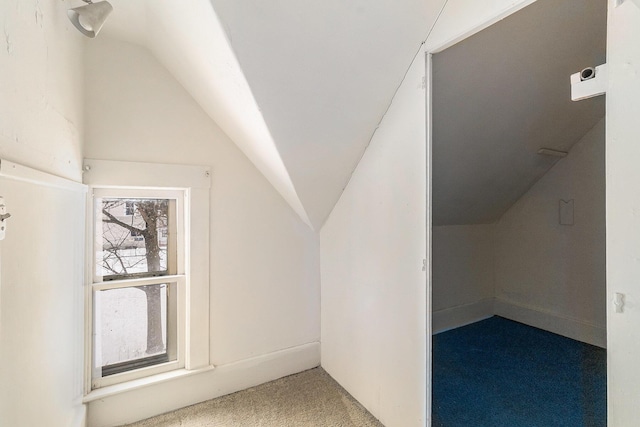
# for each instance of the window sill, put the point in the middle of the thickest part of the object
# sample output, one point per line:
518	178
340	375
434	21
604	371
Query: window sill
112	390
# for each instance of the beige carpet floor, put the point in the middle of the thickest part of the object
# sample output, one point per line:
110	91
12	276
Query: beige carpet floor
308	399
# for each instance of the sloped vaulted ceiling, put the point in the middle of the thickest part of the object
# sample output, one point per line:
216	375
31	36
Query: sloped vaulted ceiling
502	94
323	74
300	86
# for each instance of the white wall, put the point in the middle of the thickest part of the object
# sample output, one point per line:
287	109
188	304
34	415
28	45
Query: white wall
41	317
264	259
41	87
373	285
41	126
462	277
549	275
623	206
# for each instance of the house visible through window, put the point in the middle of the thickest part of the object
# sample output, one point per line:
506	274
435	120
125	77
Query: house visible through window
129	207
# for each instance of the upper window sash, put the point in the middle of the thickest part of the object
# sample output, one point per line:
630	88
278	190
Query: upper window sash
174	258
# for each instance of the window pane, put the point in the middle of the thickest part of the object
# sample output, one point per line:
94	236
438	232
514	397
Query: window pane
133	237
131	327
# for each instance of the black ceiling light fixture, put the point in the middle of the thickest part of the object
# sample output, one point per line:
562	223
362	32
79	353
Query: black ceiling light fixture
90	18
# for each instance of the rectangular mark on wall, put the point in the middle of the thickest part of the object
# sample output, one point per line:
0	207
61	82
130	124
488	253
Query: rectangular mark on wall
566	212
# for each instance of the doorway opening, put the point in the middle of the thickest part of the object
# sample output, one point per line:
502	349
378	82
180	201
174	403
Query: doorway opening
518	223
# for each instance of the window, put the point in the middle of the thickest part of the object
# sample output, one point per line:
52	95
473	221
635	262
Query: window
147	281
138	280
129	208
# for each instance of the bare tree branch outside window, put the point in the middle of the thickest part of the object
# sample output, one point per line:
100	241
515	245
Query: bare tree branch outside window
134	244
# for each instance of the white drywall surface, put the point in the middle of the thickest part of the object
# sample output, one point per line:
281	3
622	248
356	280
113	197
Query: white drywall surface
623	208
374	301
41	345
265	285
462	274
558	271
41	82
41	316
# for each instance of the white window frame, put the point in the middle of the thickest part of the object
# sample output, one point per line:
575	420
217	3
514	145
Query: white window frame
177	282
191	184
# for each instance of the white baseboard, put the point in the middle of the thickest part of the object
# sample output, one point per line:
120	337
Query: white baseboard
562	325
146	402
455	317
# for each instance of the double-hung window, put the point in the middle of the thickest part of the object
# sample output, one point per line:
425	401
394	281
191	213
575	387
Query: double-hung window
139	283
148	271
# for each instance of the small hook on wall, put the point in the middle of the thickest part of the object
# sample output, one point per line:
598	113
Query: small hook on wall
4	215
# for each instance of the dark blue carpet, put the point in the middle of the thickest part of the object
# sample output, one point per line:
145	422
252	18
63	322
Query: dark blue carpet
500	373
